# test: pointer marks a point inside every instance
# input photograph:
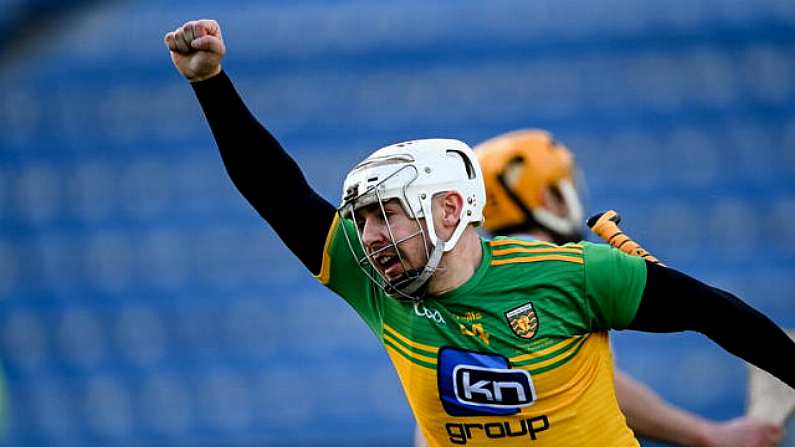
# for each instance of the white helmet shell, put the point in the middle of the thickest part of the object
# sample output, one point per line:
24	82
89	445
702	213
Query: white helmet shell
413	172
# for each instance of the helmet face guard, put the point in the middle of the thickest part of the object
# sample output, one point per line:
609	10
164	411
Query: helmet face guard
411	173
403	287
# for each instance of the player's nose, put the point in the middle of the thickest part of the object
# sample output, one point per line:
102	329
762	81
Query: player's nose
373	233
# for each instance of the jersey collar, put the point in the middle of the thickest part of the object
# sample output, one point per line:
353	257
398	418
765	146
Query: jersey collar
472	282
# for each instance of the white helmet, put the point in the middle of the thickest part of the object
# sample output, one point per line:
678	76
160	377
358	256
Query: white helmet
413	172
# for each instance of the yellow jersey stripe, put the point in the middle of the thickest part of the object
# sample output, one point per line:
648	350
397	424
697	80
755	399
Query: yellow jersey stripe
564	354
408	352
544	353
414	351
397	335
538	369
519	260
325	268
426	362
507	251
501	242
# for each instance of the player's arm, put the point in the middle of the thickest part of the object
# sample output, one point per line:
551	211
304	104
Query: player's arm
650	416
257	164
673	302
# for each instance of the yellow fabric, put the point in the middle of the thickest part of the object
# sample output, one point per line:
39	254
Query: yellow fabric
576	403
325	269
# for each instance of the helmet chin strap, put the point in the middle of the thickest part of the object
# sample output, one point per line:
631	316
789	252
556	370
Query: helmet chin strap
430	268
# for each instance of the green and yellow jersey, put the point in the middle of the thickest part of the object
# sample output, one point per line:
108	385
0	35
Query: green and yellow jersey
519	354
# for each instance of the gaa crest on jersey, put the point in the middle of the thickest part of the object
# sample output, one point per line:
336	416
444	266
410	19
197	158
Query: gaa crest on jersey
523	320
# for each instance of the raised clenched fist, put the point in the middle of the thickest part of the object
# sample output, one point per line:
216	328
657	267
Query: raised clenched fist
197	49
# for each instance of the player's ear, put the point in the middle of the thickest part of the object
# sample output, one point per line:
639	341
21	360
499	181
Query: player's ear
451	204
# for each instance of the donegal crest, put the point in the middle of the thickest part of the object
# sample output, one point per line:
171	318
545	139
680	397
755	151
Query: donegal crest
523	320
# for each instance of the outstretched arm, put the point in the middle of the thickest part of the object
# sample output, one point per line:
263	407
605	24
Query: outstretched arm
257	164
651	417
674	302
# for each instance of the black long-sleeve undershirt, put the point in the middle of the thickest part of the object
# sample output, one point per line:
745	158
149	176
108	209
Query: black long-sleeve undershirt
674	302
264	173
275	186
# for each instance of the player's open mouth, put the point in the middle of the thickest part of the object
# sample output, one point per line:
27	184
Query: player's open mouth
389	264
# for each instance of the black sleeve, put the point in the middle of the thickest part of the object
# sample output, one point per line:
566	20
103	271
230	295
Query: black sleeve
673	302
264	173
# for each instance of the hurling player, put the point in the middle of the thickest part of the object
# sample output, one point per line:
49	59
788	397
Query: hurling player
496	342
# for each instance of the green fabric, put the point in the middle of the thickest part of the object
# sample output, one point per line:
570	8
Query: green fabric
588	287
614	283
349	281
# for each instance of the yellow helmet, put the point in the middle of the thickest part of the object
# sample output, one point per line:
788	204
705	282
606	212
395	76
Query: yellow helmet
517	168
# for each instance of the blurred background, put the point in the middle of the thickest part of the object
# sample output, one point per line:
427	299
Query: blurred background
143	302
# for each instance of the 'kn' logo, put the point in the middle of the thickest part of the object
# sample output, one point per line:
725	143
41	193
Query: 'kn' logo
491	387
480	384
431	314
